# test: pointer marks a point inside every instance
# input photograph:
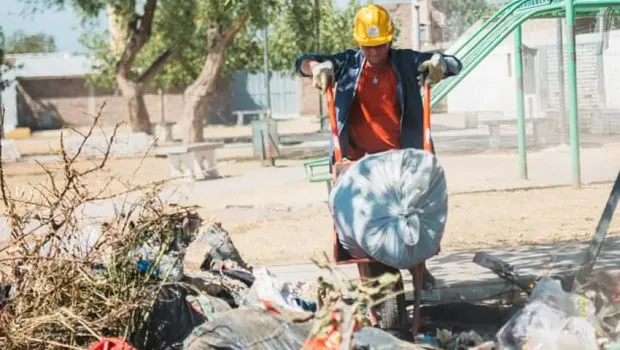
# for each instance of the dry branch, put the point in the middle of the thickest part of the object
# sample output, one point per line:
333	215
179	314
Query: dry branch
344	304
72	282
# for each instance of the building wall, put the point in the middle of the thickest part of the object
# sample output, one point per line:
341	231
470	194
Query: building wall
401	16
588	93
611	69
8	103
490	87
68	101
250	93
430	19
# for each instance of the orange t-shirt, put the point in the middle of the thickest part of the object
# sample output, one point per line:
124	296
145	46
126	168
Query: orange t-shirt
374	119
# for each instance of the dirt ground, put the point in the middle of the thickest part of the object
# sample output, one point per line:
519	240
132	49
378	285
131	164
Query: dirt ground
475	221
269	231
124	172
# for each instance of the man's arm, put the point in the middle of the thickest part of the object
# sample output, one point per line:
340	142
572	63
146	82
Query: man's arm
452	66
305	63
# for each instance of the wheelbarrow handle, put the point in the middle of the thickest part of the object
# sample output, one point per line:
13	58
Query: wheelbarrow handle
331	111
427	118
418	271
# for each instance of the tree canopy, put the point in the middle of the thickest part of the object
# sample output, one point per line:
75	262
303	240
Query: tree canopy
184	25
294	32
187	24
21	42
4	68
462	14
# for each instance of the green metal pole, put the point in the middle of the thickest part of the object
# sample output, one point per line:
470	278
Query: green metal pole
521	140
572	93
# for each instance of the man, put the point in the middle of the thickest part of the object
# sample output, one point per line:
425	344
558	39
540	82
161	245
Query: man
378	100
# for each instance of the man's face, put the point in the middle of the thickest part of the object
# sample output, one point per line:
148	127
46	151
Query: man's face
376	55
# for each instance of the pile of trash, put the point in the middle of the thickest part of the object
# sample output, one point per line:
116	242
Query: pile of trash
72	280
230	305
124	285
555	319
68	285
140	297
551	319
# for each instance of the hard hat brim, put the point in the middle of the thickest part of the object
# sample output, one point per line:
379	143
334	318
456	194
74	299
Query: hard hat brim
378	41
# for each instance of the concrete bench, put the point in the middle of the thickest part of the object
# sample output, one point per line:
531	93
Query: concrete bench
540	127
242	114
189	160
322	175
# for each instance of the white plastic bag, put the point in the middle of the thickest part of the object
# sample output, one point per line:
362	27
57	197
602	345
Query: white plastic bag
550	292
268	288
552	320
564	333
391	206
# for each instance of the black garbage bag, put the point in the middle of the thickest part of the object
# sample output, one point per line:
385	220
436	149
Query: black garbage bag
174	317
255	329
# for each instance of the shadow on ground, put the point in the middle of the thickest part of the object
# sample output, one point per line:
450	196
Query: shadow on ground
532	260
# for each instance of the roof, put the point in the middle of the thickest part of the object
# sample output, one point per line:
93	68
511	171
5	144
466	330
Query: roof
55	64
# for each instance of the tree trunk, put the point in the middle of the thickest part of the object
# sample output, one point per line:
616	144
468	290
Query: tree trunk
195	95
134	98
128	37
195	98
192	119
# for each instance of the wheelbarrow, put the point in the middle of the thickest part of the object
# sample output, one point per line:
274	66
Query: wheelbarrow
391	314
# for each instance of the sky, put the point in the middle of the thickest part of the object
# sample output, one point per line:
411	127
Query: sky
64	25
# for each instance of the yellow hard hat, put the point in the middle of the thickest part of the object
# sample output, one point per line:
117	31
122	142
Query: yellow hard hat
372	26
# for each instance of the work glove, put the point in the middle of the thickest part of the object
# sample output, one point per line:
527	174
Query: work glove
432	71
322	74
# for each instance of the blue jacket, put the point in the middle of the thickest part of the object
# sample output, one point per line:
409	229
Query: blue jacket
347	70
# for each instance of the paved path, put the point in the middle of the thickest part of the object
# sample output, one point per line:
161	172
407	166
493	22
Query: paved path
458	277
465	173
446	142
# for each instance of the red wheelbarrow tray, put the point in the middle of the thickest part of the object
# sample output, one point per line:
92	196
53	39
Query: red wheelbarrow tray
340	255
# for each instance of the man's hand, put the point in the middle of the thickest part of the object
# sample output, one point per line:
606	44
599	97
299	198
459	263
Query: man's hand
322	74
432	71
